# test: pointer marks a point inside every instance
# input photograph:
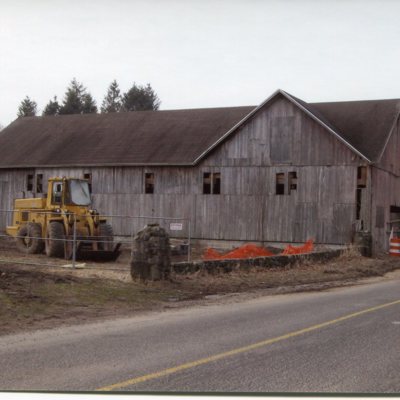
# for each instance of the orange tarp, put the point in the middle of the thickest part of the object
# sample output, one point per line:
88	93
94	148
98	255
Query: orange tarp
251	250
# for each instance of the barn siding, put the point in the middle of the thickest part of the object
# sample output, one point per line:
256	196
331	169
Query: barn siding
4	196
12	185
247	209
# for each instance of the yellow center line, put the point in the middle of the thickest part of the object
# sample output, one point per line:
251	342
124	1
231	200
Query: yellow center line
216	357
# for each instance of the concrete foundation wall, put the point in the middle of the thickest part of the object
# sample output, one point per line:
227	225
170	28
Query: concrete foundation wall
224	266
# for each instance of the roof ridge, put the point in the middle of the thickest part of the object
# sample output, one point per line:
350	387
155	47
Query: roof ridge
139	111
357	101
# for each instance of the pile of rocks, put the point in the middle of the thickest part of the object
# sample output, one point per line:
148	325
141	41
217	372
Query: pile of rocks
151	255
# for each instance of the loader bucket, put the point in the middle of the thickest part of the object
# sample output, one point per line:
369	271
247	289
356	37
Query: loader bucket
85	253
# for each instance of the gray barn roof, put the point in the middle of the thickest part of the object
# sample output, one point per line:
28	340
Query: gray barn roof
178	137
129	138
365	125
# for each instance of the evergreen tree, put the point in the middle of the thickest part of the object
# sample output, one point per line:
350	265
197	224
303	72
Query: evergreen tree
27	108
112	101
140	98
52	107
88	104
72	103
77	100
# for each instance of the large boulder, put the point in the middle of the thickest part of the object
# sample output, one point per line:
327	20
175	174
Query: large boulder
151	259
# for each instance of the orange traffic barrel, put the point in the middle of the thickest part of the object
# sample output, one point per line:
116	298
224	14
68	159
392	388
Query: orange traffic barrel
394	249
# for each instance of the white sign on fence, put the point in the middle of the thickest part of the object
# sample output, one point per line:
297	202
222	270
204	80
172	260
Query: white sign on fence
176	226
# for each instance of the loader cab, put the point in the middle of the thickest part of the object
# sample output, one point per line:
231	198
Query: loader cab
69	192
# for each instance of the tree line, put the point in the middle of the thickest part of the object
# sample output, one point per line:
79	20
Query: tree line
77	100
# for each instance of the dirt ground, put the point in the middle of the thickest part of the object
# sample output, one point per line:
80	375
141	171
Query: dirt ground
48	293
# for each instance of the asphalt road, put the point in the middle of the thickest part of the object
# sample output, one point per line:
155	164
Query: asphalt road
340	341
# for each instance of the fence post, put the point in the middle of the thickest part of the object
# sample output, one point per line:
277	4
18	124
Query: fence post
74	244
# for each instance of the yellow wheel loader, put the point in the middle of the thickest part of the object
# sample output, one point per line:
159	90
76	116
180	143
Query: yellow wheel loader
53	224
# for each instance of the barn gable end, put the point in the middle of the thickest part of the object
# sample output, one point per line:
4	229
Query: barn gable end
280	132
303	177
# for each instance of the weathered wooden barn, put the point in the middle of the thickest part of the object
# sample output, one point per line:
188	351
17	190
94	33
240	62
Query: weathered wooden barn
285	171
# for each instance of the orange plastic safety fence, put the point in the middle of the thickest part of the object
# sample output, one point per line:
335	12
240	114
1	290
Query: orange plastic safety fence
211	254
246	251
251	250
306	248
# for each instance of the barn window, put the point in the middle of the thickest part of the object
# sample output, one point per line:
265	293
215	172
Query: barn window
292	181
216	183
88	177
395	215
280	183
207	183
358	203
211	183
361	177
360	190
149	182
395	210
39	183
29	183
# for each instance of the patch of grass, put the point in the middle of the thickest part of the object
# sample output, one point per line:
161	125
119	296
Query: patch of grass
32	299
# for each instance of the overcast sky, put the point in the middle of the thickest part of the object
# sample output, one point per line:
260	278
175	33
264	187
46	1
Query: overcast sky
199	53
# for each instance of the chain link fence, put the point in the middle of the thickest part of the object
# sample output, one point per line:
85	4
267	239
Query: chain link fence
70	238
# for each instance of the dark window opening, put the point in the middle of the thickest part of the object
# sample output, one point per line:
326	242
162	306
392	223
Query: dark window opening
149	183
280	183
395	215
207	183
39	183
29	183
361	185
358	203
211	183
217	183
88	177
394	210
395	220
361	177
292	181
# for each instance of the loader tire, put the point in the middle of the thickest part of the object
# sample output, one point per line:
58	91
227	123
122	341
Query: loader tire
106	237
54	244
29	240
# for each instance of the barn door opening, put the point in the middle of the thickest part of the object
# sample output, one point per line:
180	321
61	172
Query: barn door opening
361	197
395	220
